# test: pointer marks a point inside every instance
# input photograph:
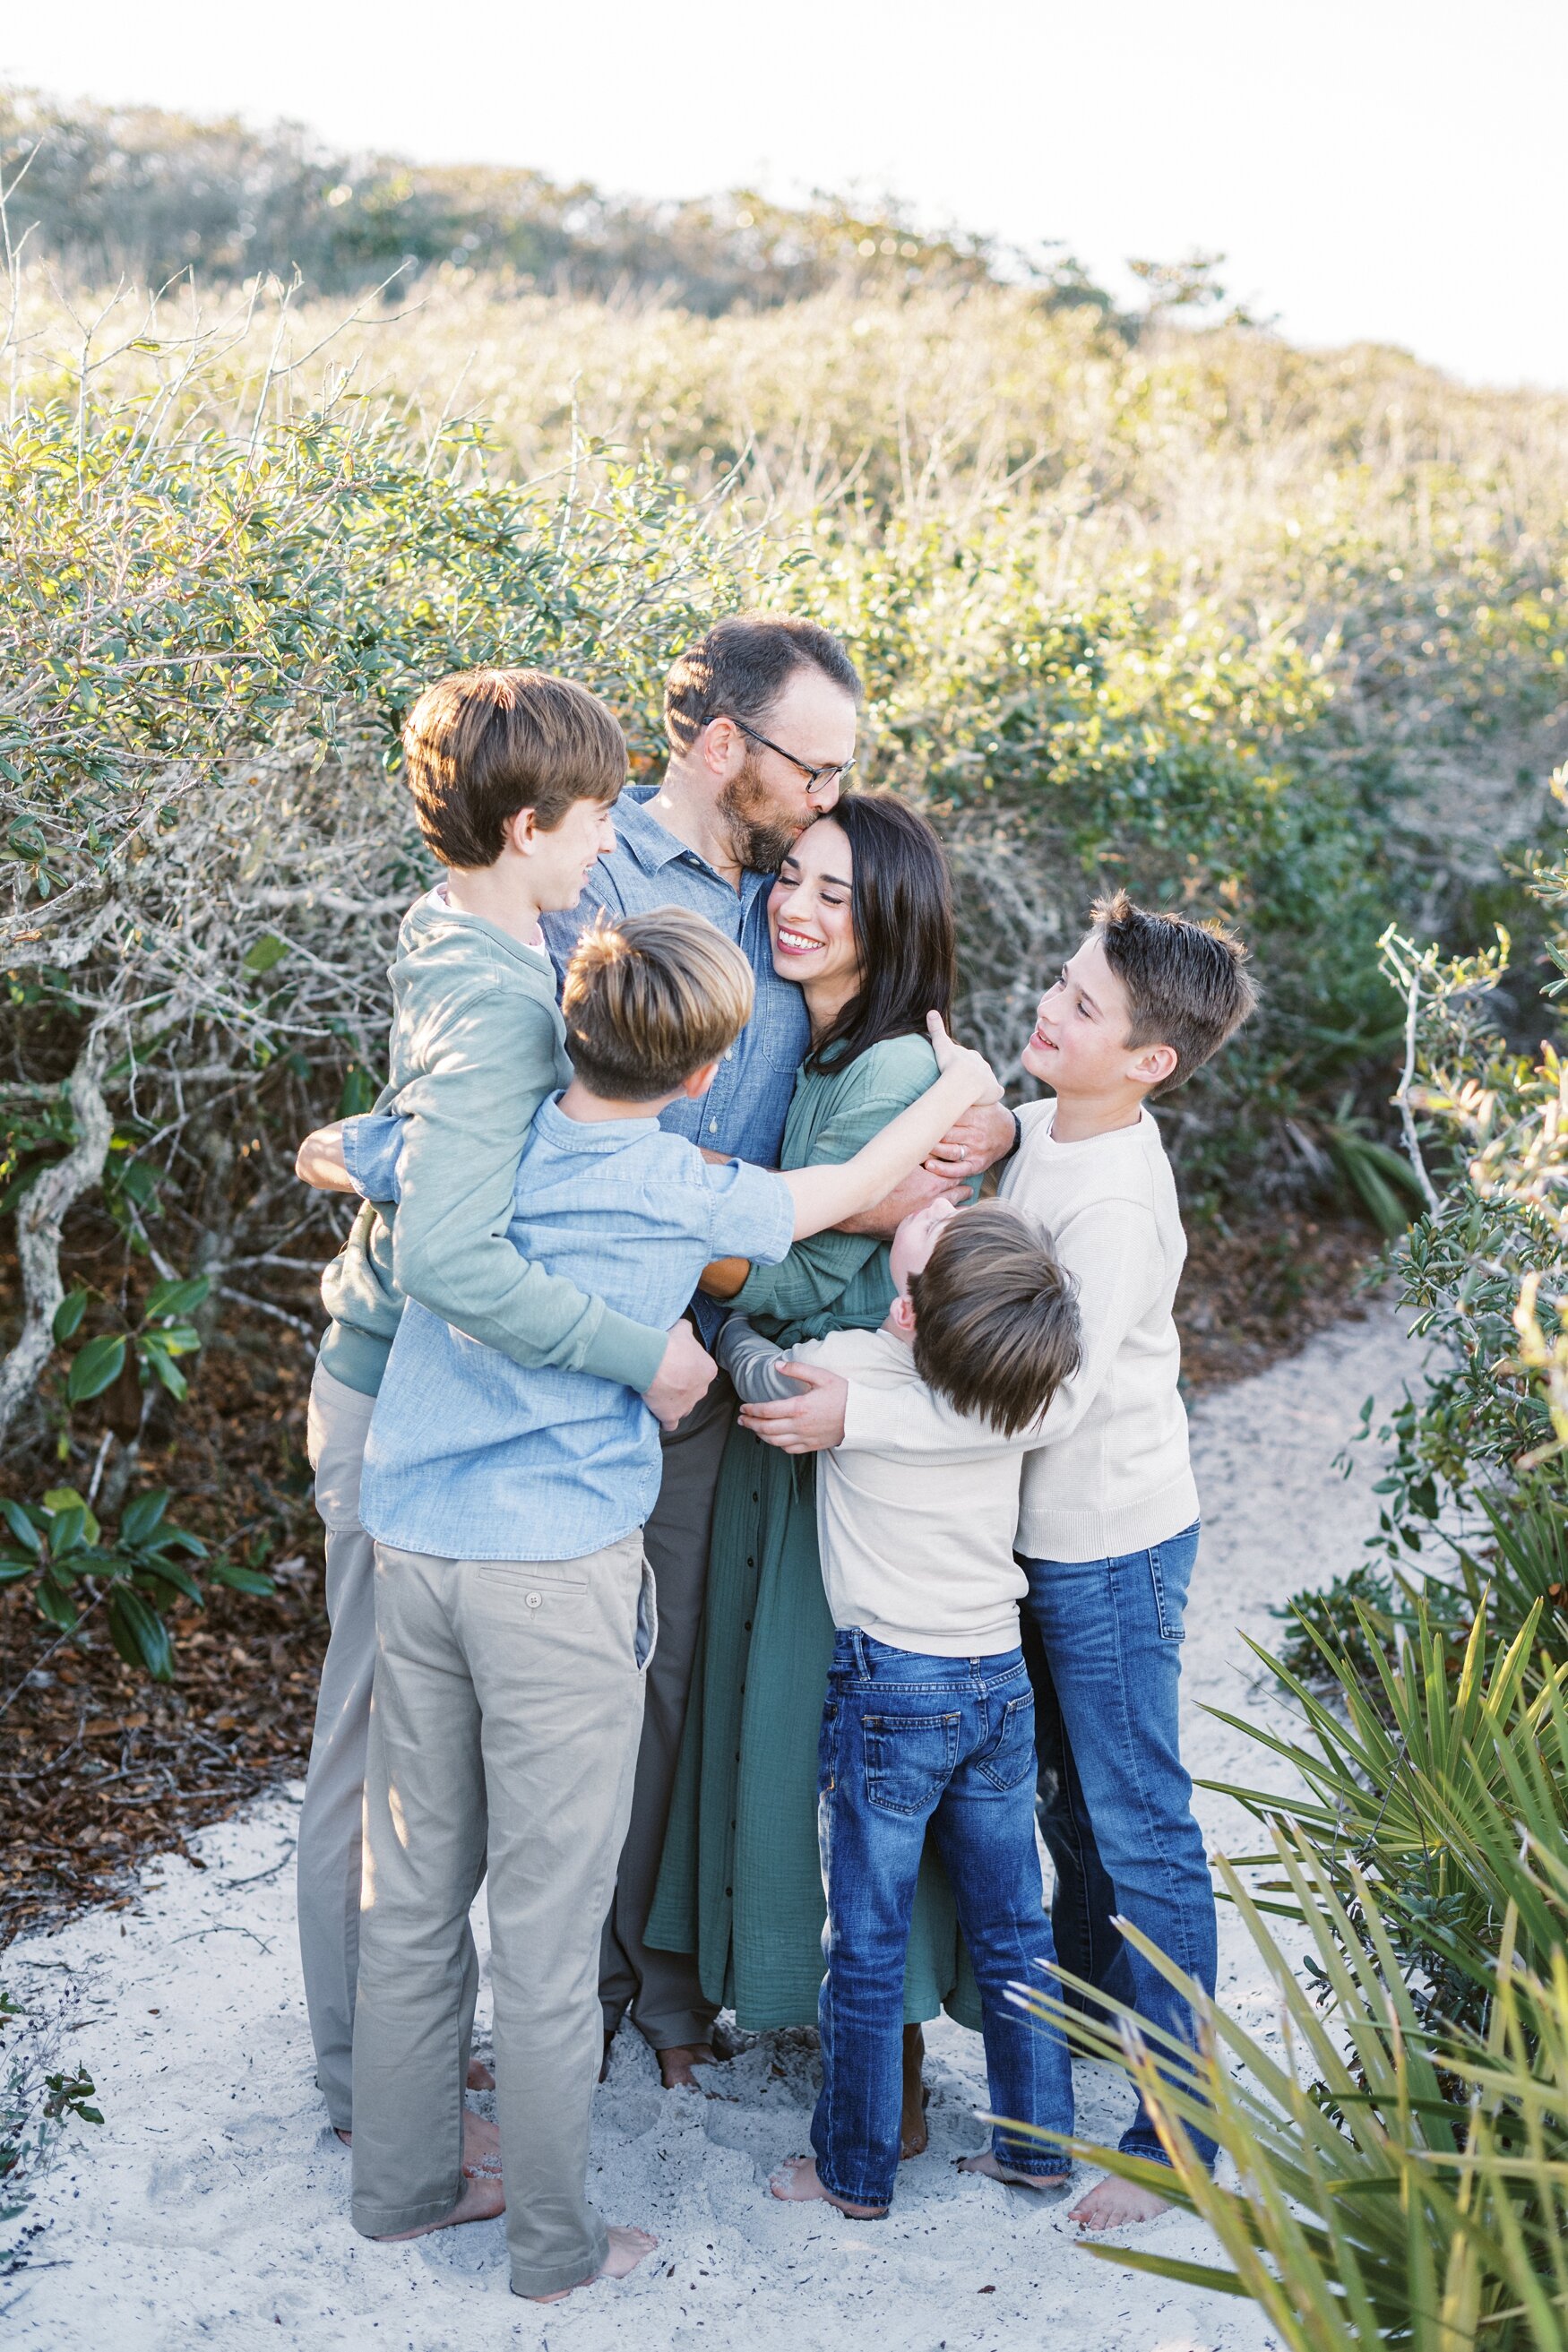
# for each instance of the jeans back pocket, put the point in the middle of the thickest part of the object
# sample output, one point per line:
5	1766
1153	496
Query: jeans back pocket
909	1759
1009	1758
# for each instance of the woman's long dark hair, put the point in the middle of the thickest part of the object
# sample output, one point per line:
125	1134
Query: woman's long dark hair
901	906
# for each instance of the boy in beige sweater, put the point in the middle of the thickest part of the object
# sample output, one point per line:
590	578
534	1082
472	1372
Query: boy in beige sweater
929	1720
1108	1526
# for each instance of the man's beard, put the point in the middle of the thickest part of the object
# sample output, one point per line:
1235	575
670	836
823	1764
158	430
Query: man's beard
759	837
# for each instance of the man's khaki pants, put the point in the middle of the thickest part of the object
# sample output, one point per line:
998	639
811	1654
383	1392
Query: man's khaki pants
504	1723
662	1990
327	1861
328	1858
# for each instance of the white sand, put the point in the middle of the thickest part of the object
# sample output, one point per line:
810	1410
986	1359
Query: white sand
212	2206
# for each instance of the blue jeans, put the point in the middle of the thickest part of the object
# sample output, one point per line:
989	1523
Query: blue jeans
909	1740
1103	1640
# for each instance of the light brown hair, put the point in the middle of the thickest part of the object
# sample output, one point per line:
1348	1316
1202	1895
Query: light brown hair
996	1324
738	669
1187	984
650	999
482	744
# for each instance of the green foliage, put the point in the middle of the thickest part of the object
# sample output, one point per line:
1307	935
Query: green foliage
36	2098
164	1332
68	2095
1419	1787
59	1547
1390	2188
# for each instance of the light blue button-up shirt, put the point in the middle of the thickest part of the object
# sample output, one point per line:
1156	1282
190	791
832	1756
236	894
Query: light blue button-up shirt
743	1112
471	1456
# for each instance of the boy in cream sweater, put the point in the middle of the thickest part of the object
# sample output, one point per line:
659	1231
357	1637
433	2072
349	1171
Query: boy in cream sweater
1108	1526
929	1720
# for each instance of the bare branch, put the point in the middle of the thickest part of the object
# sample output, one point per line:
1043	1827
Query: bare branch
42	1214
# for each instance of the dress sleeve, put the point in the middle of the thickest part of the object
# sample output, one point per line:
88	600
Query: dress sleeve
817	1272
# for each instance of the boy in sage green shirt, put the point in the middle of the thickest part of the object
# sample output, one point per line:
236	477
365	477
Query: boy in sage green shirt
513	775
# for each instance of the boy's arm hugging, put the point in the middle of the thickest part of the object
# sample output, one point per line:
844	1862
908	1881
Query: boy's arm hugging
824	1195
837	1191
449	1159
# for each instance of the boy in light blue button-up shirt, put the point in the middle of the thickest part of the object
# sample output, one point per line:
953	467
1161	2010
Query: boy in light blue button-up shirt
472	1455
515	1615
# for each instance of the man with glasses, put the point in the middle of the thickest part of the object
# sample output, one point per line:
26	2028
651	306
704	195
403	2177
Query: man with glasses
761	715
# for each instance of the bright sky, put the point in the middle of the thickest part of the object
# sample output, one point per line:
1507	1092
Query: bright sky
1372	168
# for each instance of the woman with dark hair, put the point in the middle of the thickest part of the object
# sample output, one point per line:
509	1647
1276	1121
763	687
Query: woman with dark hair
861	916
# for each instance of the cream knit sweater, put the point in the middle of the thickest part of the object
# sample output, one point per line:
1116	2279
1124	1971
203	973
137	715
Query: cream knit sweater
1112	1475
1108	1472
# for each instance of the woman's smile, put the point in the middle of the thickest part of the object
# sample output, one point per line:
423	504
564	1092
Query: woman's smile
791	943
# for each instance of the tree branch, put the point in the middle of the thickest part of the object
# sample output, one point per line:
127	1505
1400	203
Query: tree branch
42	1213
1407	1115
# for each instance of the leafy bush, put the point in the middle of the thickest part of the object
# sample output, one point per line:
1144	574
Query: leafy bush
214	624
1390	2188
58	1545
1117	625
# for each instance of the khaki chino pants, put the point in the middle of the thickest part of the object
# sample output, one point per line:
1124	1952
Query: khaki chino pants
504	1726
327	1861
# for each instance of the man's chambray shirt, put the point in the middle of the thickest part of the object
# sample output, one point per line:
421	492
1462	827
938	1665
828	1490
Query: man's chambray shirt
744	1111
471	1456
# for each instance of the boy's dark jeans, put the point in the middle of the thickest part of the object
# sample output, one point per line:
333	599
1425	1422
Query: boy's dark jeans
909	1740
1103	1639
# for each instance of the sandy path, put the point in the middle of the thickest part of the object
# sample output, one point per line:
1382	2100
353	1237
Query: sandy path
212	2205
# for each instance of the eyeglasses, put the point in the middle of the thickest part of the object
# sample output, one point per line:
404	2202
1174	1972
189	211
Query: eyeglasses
817	778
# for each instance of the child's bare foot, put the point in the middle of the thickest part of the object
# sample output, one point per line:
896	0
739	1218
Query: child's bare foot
795	2182
913	2136
627	2249
481	2148
1113	2204
991	2166
479	2077
677	2066
482	2200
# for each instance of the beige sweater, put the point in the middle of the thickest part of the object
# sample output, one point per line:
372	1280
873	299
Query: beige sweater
1113	1474
916	1544
1108	1470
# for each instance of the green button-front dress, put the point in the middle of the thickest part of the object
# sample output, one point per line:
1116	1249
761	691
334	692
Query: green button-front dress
740	1884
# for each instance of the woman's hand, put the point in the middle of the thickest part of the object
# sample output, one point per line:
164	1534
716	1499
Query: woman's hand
986	1133
806	1423
320	1163
950	1056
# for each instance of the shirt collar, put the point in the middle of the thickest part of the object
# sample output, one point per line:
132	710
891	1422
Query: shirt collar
654	846
640	831
589	1134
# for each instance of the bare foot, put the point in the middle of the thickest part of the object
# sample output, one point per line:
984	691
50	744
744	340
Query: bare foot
991	2166
795	2183
627	2248
479	2077
1113	2204
481	2150
913	2136
482	2198
677	2066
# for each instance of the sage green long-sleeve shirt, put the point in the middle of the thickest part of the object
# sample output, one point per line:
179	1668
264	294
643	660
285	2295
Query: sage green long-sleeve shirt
477	1042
